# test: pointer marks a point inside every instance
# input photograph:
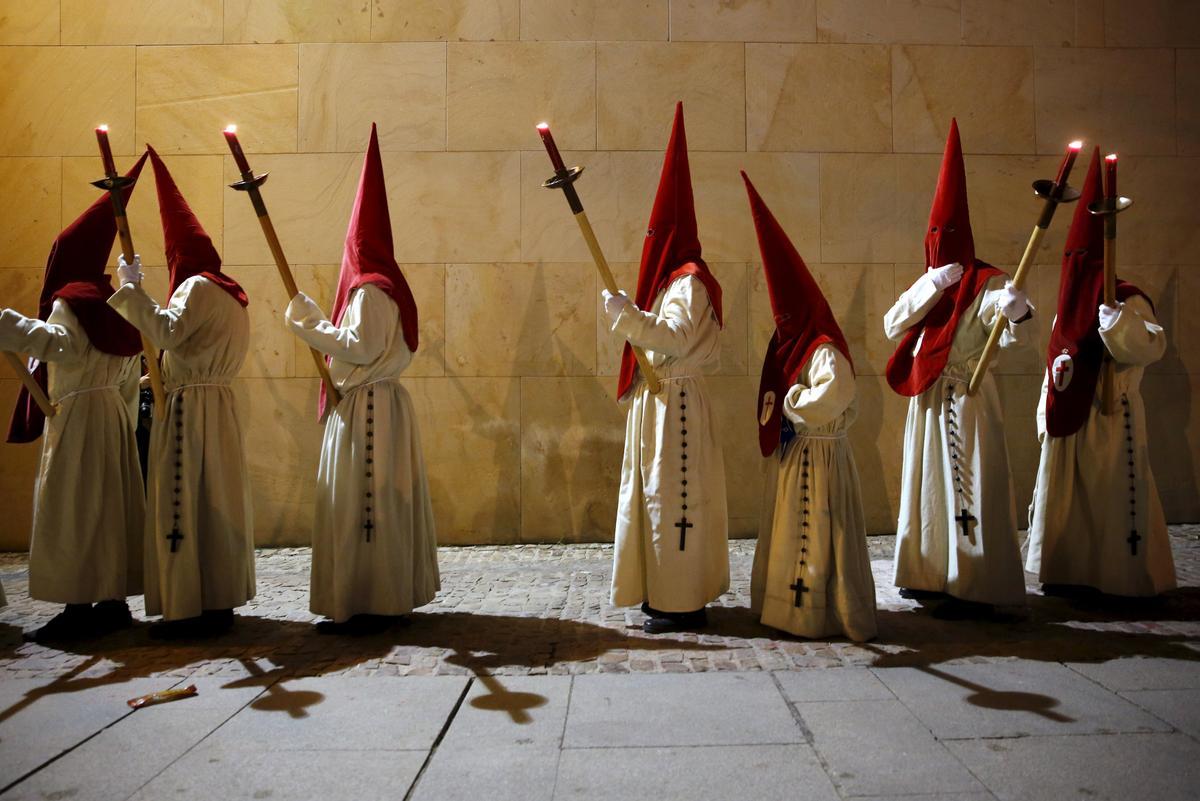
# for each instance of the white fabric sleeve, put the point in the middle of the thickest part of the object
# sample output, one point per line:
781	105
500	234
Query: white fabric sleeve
165	328
670	332
362	336
59	339
986	313
1135	338
829	392
912	306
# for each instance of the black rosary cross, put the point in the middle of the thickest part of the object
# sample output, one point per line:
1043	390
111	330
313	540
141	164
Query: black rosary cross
175	536
683	525
799	589
965	519
1133	539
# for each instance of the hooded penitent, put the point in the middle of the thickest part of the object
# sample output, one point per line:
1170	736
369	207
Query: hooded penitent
1076	350
947	240
672	247
75	274
190	251
803	320
369	255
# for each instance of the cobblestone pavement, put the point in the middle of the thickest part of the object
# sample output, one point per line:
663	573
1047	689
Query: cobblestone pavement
542	609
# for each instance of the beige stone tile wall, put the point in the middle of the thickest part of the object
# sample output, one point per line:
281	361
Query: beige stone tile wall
836	108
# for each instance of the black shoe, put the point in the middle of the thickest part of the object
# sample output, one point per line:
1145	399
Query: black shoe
112	615
188	628
666	622
921	595
216	621
74	622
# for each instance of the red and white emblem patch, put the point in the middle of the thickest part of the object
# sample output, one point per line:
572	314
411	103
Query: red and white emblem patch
768	408
1062	370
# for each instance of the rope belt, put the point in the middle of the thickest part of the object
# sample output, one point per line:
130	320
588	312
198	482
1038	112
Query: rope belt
86	390
182	387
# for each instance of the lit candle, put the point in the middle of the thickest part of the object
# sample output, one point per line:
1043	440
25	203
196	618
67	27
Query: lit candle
235	147
1110	176
110	168
1064	169
551	148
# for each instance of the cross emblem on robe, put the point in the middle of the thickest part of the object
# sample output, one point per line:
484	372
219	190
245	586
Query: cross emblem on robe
965	519
799	589
175	536
367	526
683	525
1133	539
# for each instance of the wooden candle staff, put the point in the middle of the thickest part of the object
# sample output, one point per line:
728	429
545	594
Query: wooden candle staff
250	184
1052	193
114	183
31	384
564	179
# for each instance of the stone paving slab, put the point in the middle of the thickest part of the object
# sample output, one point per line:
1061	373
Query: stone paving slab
1119	767
132	751
511	712
42	718
210	773
1137	673
875	747
343	714
1013	698
980	796
832	684
494	774
707	709
693	774
1180	708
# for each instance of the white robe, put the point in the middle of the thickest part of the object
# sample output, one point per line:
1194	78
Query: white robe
197	469
1095	486
88	502
932	553
372	431
661	463
812	500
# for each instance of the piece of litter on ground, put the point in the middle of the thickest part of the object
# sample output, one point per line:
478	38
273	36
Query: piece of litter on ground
163	696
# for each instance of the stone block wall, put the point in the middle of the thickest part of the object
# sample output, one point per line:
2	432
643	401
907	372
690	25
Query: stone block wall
836	108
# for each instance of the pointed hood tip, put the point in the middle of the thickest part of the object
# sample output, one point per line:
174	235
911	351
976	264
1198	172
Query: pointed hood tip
369	254
803	319
672	245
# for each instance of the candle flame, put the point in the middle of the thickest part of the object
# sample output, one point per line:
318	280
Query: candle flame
231	128
543	126
1076	145
1111	157
103	128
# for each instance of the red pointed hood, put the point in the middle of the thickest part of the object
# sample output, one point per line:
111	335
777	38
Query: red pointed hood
369	256
1076	333
803	319
75	274
190	251
672	246
948	239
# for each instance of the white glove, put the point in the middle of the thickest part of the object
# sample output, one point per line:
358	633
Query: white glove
946	276
1013	302
129	273
614	304
307	306
1109	315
